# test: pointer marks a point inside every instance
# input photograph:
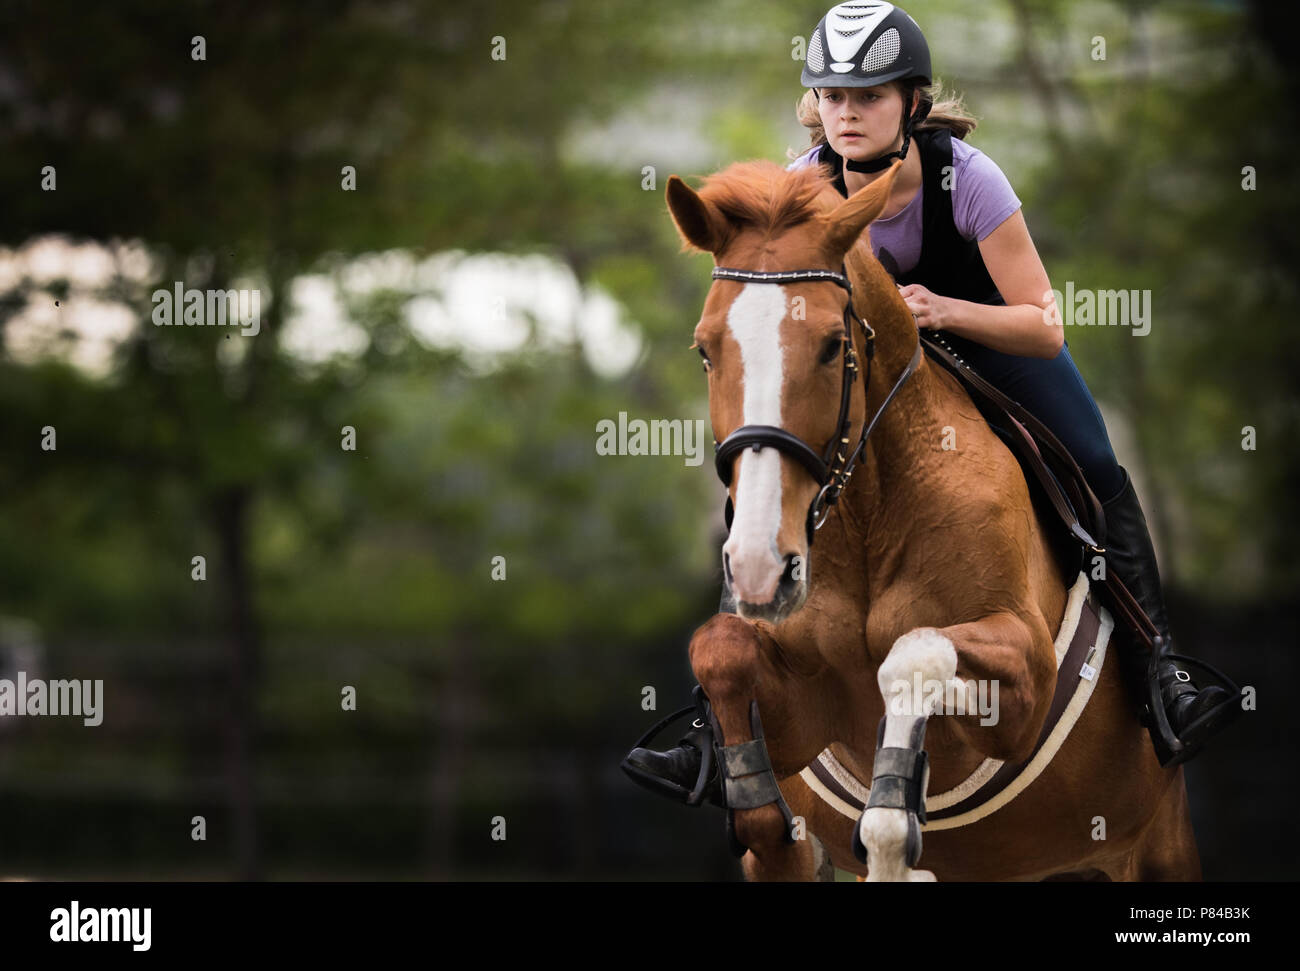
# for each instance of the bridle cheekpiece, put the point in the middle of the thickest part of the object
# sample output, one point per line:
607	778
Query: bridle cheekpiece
833	467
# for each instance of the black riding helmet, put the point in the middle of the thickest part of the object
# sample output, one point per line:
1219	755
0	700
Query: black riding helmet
862	43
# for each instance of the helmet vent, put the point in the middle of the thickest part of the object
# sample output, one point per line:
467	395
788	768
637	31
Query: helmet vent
873	10
883	52
816	60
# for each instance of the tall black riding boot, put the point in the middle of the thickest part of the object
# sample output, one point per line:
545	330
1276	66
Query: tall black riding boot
1193	714
676	773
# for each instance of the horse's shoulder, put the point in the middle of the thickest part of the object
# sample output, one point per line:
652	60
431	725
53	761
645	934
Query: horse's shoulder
986	521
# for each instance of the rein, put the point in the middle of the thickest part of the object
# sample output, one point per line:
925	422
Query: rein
833	467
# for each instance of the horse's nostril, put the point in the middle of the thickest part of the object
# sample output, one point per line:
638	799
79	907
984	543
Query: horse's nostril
793	571
726	568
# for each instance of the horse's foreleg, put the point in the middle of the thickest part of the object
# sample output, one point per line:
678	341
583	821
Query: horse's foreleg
996	674
737	664
889	830
1167	850
1005	678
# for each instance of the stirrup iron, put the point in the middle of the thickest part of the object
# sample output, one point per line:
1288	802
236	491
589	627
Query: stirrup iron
703	721
1171	750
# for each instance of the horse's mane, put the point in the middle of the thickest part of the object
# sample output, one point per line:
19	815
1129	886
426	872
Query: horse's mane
761	195
765	196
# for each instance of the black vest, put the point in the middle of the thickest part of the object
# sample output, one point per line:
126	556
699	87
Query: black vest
949	265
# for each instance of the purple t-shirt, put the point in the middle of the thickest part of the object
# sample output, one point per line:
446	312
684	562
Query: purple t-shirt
982	199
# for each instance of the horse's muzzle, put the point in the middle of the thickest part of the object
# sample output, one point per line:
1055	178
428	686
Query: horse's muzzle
758	602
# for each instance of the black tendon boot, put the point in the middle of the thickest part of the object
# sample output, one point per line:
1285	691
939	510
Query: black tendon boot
687	773
1191	715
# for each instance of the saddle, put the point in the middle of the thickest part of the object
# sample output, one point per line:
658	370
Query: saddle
1049	467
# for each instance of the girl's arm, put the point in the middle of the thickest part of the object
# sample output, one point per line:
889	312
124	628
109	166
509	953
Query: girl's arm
1021	327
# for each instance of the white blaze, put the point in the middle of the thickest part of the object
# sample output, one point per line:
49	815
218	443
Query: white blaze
754	320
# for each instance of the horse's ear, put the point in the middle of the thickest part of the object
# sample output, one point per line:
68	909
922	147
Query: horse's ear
700	223
851	217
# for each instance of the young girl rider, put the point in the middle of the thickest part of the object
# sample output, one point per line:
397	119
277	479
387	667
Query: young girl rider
954	239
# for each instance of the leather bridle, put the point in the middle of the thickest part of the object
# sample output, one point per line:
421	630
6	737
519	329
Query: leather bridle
833	467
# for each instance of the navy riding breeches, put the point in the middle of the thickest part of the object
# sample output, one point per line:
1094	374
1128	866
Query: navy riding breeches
1054	392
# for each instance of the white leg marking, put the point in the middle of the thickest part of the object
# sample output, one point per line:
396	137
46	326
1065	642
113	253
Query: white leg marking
919	659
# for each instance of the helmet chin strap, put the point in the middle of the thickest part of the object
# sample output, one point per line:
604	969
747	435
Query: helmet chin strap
882	161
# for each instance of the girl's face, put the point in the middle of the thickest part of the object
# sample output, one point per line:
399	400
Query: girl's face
862	123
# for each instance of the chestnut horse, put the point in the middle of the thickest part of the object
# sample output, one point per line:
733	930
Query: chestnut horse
932	566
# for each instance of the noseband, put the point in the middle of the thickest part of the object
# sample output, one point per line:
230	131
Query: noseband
833	467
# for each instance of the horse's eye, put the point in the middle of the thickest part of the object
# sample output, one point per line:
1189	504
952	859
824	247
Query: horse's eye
832	350
707	363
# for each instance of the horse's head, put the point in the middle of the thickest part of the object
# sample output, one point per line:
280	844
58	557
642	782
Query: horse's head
774	352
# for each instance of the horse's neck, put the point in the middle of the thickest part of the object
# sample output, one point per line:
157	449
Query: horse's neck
900	445
896	471
891	476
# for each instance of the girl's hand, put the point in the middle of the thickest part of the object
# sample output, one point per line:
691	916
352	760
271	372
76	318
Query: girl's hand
932	312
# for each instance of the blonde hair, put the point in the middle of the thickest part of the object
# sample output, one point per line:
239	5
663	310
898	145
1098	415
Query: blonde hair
946	111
